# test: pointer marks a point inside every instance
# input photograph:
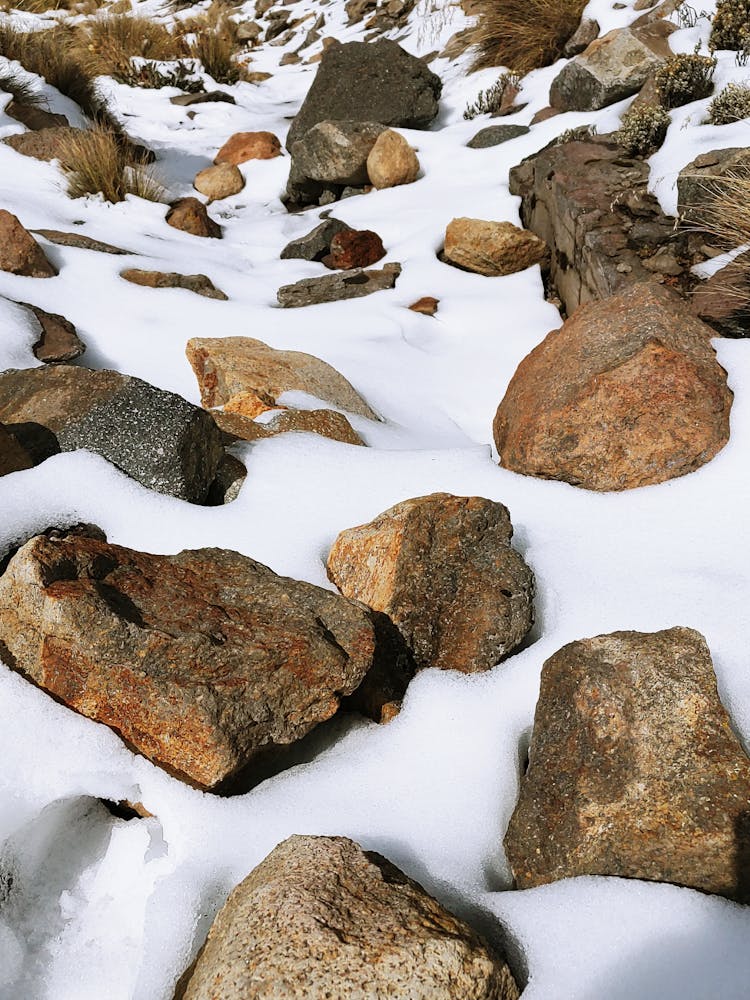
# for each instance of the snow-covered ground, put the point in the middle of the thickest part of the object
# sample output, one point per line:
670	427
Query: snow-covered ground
108	907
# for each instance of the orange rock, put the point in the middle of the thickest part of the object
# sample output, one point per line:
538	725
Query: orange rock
492	248
19	251
190	216
243	146
251	404
427	305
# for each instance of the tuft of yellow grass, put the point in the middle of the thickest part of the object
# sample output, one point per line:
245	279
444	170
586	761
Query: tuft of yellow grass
97	161
522	35
105	46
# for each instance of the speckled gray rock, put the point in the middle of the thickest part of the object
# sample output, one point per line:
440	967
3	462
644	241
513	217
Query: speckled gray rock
321	919
316	244
494	135
156	437
332	287
335	152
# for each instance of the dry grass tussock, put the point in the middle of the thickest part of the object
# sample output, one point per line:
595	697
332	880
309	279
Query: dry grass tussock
522	35
106	45
20	90
212	39
97	162
727	222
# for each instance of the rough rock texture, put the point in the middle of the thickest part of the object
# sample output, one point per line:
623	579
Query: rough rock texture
586	33
210	97
315	244
156	437
373	82
443	570
327	423
190	216
723	301
354	248
198	283
703	180
58	339
79	241
492	248
333	287
13	457
494	135
226	366
427	305
353	926
32	116
634	769
221	181
244	146
392	161
198	660
628	392
335	152
19	251
45	144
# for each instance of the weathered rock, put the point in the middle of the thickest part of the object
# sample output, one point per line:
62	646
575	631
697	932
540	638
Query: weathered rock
586	33
634	769
335	152
352	248
704	180
210	97
230	478
244	146
45	144
248	31
327	423
492	248
154	436
19	251
316	244
724	300
198	660
494	135
376	82
427	305
443	570
354	926
34	117
392	161
58	339
190	216
333	287
251	403
13	457
198	283
221	181
628	392
226	366
79	241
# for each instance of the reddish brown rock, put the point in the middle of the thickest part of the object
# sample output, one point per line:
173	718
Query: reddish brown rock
723	301
443	570
628	392
190	215
198	283
19	251
354	248
427	305
58	340
492	248
34	117
44	144
634	769
13	457
243	146
327	423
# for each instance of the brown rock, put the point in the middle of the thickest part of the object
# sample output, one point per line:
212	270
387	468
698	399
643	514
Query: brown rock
427	305
34	117
251	404
58	340
13	457
351	284
723	301
705	182
492	248
634	769
190	215
443	570
392	161
79	241
44	144
198	283
327	423
19	251
243	146
353	926
354	248
221	181
626	393
544	115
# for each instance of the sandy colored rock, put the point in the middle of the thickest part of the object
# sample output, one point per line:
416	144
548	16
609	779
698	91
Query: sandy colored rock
251	404
58	340
634	769
427	305
334	152
443	570
220	181
244	146
492	248
44	144
352	248
327	423
19	251
392	161
13	457
198	283
354	926
190	216
34	117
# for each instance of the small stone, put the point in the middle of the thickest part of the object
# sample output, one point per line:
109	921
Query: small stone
79	241
19	251
392	161
197	283
190	216
334	287
316	244
58	340
244	146
220	181
492	248
494	135
353	248
210	97
427	305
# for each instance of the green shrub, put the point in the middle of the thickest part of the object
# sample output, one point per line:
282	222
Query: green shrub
731	105
731	25
685	78
643	130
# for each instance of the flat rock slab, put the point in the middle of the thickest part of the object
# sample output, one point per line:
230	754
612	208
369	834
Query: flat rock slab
210	97
198	283
353	926
198	660
34	117
58	340
443	570
79	241
44	144
327	423
334	287
19	251
628	392
495	135
634	769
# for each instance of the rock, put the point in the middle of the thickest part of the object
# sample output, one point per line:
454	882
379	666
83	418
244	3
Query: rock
586	33
492	248
375	82
221	181
353	248
494	135
210	97
354	926
335	152
316	244
333	287
58	340
244	146
190	216
392	161
704	180
256	76
723	301
443	570
634	769
230	478
248	31
250	403
45	144
427	305
79	241
544	115
628	392
198	660
326	423
154	436
13	457
19	251
197	283
34	117
290	59
226	366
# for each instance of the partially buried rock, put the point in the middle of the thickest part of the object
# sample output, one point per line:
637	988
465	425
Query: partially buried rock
442	568
706	184
34	117
427	305
723	301
13	457
198	283
156	437
19	251
333	287
198	660
492	248
326	423
44	144
494	135
316	244
58	340
80	241
244	146
190	215
354	248
634	769
392	161
353	926
221	181
335	152
210	97
628	392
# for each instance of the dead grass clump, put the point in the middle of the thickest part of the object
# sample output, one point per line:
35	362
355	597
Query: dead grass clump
97	162
212	39
522	35
40	6
20	90
106	45
727	214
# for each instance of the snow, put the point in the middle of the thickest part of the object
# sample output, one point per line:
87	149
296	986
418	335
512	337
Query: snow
99	901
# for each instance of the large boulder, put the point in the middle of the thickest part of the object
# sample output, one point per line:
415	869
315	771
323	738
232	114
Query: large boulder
19	251
334	287
154	436
634	769
492	248
443	570
200	660
335	152
352	925
628	392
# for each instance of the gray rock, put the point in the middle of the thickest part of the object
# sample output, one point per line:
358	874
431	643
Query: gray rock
494	135
211	97
316	244
704	179
332	287
336	152
586	32
230	478
79	241
353	925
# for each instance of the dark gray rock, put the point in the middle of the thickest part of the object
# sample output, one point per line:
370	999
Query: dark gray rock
316	244
335	152
332	287
494	135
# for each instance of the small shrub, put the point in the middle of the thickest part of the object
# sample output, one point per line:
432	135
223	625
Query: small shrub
106	45
522	34
685	78
151	76
96	161
581	133
51	54
40	6
643	130
731	105
214	44
727	214
490	100
731	25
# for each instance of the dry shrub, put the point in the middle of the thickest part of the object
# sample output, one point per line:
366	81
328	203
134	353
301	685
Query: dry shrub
731	105
212	39
50	53
522	35
727	215
106	45
40	6
97	162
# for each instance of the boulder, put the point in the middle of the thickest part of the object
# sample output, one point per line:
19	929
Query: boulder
704	180
333	287
369	82
353	926
723	301
316	244
492	248
198	660
80	241
326	423
494	135
335	152
58	339
244	146
443	570
634	769
221	181
628	392
154	436
352	248
44	144
190	216
392	161
19	251
13	456
198	283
